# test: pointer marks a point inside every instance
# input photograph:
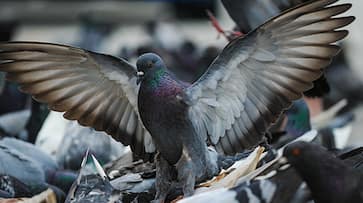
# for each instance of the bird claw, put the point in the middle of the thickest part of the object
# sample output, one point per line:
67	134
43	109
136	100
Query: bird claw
216	24
229	34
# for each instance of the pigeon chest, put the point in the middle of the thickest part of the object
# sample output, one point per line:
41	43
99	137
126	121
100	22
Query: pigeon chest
165	117
160	107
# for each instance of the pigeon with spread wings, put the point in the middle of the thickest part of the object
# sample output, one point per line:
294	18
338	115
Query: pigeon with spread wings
230	107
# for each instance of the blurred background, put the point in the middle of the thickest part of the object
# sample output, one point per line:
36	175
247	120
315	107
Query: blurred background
181	32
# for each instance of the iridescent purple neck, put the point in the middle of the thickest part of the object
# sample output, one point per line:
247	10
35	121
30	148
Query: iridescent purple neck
162	84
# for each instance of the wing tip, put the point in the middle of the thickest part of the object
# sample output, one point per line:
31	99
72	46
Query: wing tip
346	5
342	8
350	19
342	34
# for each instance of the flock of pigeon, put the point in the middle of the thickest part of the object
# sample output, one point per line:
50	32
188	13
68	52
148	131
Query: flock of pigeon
236	131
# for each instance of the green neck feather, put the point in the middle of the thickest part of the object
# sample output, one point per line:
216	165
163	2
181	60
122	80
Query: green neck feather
154	80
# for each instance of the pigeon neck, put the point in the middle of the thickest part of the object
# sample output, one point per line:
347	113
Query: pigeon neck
298	119
155	78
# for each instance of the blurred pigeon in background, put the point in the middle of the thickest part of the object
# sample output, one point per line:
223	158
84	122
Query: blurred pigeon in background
79	139
93	31
298	119
292	124
13	124
67	142
328	177
31	166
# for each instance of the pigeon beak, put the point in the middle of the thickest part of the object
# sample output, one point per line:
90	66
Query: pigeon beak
140	75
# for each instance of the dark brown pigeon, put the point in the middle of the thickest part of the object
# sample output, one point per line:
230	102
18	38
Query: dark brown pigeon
329	178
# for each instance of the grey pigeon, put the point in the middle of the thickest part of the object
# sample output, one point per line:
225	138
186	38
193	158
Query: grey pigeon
42	159
229	107
329	178
32	166
79	139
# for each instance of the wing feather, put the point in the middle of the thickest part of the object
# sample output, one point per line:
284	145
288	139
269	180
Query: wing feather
256	77
97	90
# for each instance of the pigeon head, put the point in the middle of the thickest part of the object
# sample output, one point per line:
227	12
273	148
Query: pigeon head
147	64
306	157
298	118
311	159
299	151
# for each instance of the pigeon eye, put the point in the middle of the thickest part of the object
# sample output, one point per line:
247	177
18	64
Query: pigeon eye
296	152
149	64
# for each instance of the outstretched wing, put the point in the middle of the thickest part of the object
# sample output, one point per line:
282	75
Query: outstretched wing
97	90
256	77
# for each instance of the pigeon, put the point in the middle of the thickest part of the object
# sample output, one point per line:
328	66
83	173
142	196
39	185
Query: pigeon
329	178
229	107
13	124
298	119
31	166
79	139
292	124
93	31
